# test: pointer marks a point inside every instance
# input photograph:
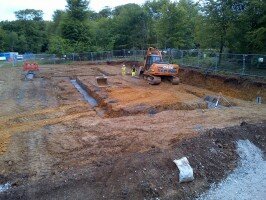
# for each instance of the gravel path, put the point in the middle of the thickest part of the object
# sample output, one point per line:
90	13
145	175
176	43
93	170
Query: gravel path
247	182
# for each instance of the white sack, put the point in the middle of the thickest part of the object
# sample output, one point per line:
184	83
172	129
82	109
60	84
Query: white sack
186	171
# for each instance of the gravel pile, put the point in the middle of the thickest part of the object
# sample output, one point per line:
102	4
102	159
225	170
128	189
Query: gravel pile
246	182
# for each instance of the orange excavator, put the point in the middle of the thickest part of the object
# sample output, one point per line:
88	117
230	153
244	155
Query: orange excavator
155	68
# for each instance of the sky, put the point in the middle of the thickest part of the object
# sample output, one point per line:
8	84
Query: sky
8	7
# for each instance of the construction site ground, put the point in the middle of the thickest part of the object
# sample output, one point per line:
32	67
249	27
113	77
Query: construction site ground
55	145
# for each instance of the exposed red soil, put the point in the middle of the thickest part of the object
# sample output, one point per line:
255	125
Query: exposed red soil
55	145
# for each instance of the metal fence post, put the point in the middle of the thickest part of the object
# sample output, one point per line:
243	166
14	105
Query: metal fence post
216	62
244	64
54	58
198	58
73	57
182	57
14	61
91	56
168	55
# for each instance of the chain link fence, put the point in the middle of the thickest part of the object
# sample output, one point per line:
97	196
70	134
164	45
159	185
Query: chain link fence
207	61
225	63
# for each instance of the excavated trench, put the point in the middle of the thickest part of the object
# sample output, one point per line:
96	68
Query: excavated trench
93	102
88	97
108	107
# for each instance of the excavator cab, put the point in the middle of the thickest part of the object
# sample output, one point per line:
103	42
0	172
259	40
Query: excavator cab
152	59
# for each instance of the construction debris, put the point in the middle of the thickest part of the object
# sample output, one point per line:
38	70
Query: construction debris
217	101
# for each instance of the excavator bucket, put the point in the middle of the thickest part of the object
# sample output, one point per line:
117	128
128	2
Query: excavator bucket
101	80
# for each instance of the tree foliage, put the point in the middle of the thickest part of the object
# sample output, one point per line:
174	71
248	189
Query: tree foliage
223	25
27	34
77	9
176	24
237	25
29	14
129	27
75	27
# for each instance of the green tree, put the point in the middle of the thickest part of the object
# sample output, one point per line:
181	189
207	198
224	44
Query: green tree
254	14
105	13
12	39
176	24
23	44
103	38
237	25
27	33
130	27
55	26
36	37
153	9
75	26
75	31
3	40
218	16
29	14
226	25
189	12
77	9
59	46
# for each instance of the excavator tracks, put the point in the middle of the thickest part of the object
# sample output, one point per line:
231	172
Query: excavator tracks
154	80
175	80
